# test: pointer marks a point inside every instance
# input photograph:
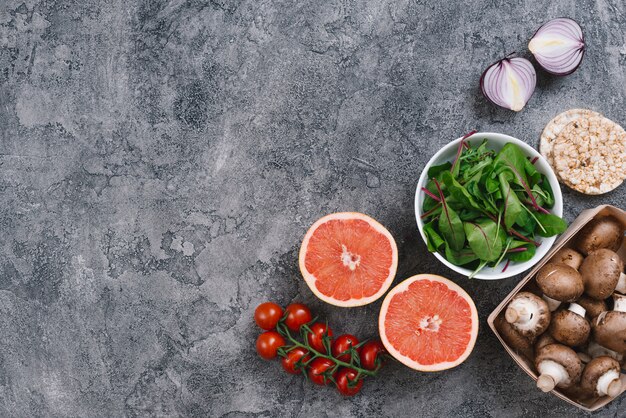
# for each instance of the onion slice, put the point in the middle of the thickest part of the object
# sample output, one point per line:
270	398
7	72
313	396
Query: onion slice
509	83
558	46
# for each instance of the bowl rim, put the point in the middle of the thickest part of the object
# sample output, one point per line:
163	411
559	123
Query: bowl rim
543	167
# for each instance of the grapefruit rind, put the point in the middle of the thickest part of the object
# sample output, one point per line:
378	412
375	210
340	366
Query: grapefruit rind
310	279
409	362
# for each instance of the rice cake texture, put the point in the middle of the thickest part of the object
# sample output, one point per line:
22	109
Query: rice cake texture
556	125
589	155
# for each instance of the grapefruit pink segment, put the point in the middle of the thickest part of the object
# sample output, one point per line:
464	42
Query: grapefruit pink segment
428	323
348	259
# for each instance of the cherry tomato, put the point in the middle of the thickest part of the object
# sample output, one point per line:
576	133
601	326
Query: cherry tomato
370	352
346	381
317	368
290	363
297	315
343	343
267	315
268	343
316	337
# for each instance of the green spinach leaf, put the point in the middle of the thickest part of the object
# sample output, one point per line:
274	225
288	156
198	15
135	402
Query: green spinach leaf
548	195
552	224
469	214
436	170
429	202
433	239
464	256
523	255
484	238
511	161
459	192
532	174
451	227
513	210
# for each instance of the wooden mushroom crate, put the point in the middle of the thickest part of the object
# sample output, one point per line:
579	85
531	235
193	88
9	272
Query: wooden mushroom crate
604	375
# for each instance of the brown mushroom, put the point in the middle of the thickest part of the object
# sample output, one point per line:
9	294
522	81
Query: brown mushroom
543	340
602	271
559	283
569	326
514	339
568	256
593	307
596	350
528	314
601	377
604	232
609	328
557	365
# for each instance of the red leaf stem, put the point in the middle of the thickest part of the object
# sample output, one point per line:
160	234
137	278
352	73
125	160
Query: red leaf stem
430	194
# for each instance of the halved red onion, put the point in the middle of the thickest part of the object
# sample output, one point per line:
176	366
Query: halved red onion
509	83
558	46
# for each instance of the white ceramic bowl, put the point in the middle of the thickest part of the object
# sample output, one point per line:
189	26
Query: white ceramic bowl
495	141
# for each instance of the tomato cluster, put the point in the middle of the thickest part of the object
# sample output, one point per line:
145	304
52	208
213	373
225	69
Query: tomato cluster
343	361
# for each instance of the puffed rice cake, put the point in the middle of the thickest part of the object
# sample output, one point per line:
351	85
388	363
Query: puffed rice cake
556	125
589	155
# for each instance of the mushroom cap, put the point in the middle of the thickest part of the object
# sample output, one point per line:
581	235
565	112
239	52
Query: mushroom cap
600	272
540	319
593	307
514	339
609	330
596	350
568	256
566	357
569	328
543	340
604	232
594	369
560	281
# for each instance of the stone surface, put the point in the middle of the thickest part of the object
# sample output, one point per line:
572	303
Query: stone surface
160	162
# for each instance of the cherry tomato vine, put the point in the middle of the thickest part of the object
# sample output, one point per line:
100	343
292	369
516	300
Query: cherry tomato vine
307	347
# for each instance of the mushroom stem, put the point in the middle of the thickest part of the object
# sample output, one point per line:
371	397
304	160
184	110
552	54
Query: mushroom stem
577	309
553	304
619	302
528	314
520	311
609	384
511	315
615	387
551	374
545	383
621	284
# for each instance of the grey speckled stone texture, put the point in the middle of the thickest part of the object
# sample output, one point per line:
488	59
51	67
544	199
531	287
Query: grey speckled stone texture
160	162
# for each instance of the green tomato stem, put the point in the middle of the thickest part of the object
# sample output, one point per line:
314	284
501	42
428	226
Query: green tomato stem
284	331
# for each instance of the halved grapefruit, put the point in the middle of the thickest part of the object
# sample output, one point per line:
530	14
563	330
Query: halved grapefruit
428	323
348	259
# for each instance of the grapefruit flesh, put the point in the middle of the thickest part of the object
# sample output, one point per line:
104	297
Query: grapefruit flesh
348	259
428	323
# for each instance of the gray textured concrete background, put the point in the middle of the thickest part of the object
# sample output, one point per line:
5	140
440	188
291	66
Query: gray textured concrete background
161	160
